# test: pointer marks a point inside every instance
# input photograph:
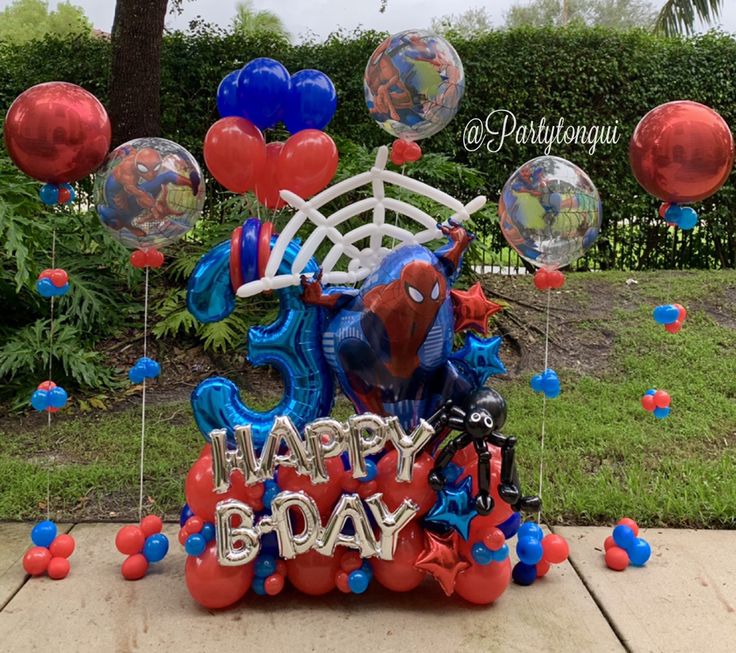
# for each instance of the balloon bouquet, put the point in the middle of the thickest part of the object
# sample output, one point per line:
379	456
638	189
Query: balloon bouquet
56	133
255	98
421	481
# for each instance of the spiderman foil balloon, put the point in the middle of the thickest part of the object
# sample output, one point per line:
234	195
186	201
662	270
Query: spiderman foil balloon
389	343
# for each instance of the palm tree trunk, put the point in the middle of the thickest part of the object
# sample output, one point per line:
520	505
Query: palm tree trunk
135	82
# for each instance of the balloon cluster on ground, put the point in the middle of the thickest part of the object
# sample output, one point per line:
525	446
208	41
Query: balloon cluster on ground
49	397
536	552
143	545
656	402
671	316
624	546
50	553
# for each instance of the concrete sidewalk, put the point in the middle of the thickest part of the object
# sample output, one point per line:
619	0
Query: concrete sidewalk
682	601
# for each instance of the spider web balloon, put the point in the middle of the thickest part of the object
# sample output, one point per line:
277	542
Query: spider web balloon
381	233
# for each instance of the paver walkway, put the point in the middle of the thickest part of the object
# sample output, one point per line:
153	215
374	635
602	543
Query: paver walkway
94	609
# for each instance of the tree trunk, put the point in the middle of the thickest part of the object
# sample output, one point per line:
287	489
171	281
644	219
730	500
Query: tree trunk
135	81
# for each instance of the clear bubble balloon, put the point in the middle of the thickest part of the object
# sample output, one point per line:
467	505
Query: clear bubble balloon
149	192
550	212
413	84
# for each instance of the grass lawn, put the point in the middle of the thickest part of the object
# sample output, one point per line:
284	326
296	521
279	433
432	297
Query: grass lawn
605	456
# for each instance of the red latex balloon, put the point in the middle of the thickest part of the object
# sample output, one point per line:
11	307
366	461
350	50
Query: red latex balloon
130	540
274	584
235	153
541	279
342	581
418	489
608	543
673	327
59	277
616	558
36	560
681	312
212	585
627	521
200	492
399	574
325	495
494	539
134	567
57	132
647	402
412	152
681	152
307	163
555	279
267	185
662	399
483	584
151	524
62	546
555	549
542	568
313	573
58	568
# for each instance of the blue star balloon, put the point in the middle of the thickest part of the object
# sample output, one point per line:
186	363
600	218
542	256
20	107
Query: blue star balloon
479	358
455	507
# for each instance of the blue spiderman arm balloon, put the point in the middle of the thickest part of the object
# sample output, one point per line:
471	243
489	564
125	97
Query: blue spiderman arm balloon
291	345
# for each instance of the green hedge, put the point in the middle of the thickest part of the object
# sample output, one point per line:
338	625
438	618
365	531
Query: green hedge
586	76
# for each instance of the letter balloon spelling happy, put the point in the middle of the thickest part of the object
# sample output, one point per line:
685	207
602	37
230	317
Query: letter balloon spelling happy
342	501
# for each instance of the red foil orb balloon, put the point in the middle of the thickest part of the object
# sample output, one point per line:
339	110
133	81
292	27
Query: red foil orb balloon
681	152
57	132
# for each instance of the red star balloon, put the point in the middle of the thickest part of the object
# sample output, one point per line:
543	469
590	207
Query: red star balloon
472	309
440	558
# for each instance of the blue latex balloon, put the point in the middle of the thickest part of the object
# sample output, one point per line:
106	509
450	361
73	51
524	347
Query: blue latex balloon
312	101
265	566
666	314
482	554
537	383
358	581
529	550
673	214
263	91
639	552
366	567
208	532
149	367
259	586
40	400
651	391
156	547
136	375
185	514
531	529
524	574
661	413
510	527
227	96
371	472
45	288
44	533
501	554
195	545
688	219
49	194
57	397
623	536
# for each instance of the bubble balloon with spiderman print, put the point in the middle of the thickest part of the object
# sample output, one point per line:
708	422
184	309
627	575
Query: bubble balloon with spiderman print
550	212
413	84
149	192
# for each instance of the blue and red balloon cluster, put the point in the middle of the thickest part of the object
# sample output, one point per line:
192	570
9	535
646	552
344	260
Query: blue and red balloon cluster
656	402
536	552
51	194
50	553
49	397
144	545
625	546
680	216
671	316
52	283
547	383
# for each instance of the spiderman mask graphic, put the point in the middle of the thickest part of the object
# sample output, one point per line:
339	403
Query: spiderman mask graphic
389	343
